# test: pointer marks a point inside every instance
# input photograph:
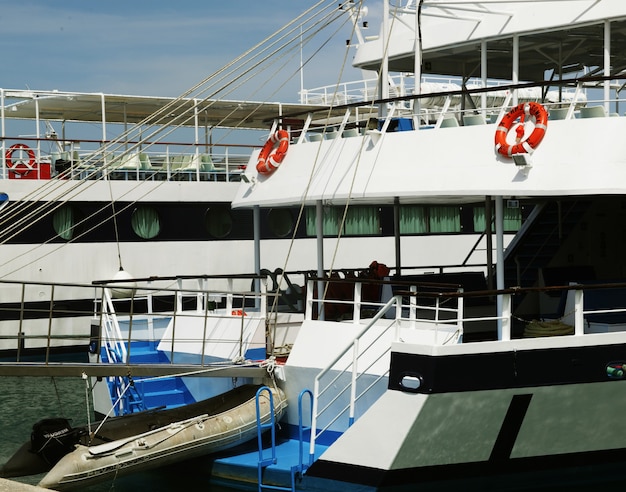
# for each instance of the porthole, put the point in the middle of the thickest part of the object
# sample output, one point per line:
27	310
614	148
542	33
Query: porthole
280	222
218	221
411	382
145	222
65	221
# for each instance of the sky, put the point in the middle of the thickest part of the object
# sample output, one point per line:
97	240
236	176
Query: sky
141	47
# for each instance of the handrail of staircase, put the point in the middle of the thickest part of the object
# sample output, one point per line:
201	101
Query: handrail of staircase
112	340
394	302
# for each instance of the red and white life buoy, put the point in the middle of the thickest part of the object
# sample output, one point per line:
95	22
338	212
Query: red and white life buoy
521	145
17	163
273	152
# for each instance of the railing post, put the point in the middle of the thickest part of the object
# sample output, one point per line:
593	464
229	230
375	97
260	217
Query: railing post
204	328
398	302
308	309
200	296
461	313
130	327
50	314
150	313
263	297
356	308
20	331
316	393
506	317
179	296
229	296
355	361
579	314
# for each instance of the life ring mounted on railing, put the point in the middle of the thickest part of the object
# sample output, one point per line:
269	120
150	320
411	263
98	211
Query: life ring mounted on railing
17	163
273	152
521	145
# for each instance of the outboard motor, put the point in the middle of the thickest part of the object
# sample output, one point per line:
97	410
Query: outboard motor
53	438
50	440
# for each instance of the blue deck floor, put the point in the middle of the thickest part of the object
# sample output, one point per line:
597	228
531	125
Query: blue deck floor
243	467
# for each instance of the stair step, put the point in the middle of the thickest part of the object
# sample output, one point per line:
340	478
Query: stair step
167	398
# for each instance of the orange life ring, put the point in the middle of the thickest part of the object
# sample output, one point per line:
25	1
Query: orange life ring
20	166
521	145
273	152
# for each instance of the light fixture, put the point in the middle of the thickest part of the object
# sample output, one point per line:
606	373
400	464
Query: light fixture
248	179
522	160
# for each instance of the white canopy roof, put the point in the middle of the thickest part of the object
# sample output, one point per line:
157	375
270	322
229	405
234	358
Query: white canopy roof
73	106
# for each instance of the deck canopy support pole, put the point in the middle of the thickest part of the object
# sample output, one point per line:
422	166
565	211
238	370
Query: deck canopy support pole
483	74
489	240
383	75
417	71
515	65
499	258
396	234
607	65
256	220
319	226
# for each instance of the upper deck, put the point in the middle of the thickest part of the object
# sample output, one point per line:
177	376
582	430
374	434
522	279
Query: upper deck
93	136
548	34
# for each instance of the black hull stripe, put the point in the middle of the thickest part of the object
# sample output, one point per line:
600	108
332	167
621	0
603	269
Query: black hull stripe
510	428
500	370
592	468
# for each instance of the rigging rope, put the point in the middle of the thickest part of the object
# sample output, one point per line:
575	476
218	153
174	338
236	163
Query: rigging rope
274	307
225	80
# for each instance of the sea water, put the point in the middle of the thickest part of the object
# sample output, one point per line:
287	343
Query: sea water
26	400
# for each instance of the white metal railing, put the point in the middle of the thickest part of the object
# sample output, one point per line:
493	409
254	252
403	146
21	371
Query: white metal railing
402	85
446	100
208	306
353	371
112	340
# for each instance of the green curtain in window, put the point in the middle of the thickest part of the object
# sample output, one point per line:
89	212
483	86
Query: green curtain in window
145	222
413	220
362	220
63	222
479	219
512	219
444	219
330	221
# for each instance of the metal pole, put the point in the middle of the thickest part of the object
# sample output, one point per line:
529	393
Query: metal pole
499	258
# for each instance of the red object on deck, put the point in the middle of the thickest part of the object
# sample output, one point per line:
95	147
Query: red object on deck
40	171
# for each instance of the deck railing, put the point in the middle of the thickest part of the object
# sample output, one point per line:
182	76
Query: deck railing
442	102
90	160
586	310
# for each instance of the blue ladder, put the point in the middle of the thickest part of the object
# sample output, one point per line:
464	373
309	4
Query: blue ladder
300	468
296	470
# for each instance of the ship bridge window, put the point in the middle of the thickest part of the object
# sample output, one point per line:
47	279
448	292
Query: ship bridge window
360	220
512	219
145	222
218	221
280	221
65	222
421	219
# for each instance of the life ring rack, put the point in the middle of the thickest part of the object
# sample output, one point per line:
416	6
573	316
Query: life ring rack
20	166
273	152
522	145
